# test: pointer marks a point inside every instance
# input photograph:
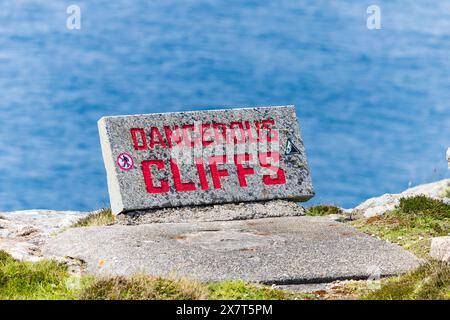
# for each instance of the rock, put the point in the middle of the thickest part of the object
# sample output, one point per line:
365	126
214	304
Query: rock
440	248
284	250
204	157
380	205
22	233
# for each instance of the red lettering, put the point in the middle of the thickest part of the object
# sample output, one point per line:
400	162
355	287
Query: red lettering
202	173
272	134
217	173
206	134
241	130
145	165
172	140
223	133
250	136
154	132
241	170
187	138
258	130
179	185
141	132
263	160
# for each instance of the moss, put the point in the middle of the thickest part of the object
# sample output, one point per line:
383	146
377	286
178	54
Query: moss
412	224
100	218
431	281
323	210
41	280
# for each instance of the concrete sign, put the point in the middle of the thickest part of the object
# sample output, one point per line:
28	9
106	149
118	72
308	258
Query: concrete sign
204	157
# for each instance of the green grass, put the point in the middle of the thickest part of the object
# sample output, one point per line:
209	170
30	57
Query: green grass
431	281
51	280
142	287
41	280
101	218
323	210
240	290
412	224
420	206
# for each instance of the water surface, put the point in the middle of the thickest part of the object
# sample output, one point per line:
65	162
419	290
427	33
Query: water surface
374	106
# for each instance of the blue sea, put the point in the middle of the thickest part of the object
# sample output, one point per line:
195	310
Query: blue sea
374	105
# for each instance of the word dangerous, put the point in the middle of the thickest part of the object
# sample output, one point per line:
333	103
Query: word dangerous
204	134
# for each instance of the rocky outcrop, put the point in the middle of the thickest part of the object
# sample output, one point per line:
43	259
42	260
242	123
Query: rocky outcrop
440	249
22	233
380	205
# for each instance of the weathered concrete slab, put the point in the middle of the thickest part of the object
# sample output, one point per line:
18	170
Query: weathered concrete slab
274	250
215	212
204	157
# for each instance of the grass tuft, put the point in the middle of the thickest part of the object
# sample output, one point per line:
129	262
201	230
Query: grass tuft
143	287
240	290
431	281
102	218
412	224
41	280
424	206
323	210
5	257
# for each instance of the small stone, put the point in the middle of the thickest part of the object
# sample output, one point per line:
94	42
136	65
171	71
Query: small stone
440	248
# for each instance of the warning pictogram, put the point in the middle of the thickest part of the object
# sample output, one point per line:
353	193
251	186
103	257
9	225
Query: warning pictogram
291	148
125	161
